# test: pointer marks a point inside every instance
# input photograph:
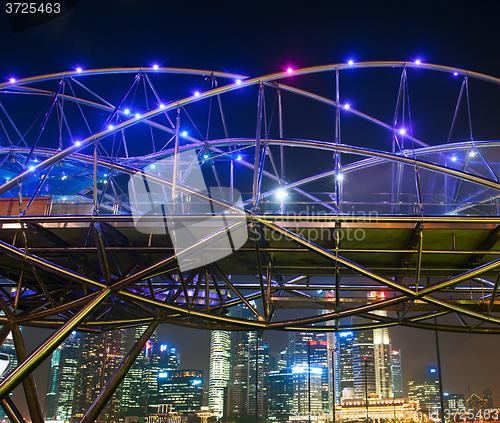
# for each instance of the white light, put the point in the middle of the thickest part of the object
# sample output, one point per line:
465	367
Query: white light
205	156
137	115
289	70
111	127
417	62
64	177
238	81
79	70
239	157
453	159
12	80
402	131
32	167
472	153
281	194
351	62
126	111
196	94
162	106
347	106
77	143
155	67
184	133
339	176
455	73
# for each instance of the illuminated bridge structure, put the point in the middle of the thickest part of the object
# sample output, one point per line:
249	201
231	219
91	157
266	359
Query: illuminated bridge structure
354	178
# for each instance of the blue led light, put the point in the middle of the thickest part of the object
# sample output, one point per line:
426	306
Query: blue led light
184	133
126	111
345	334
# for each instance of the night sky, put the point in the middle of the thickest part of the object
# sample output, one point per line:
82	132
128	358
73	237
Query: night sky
258	38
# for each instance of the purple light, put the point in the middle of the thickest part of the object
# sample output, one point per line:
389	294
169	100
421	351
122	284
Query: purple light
453	159
162	106
79	70
417	62
12	80
196	94
155	67
111	127
455	73
78	143
402	131
351	62
347	106
238	82
289	70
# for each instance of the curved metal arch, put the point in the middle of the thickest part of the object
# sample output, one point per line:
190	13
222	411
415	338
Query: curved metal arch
114	71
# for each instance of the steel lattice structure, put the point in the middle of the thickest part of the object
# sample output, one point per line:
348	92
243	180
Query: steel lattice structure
416	221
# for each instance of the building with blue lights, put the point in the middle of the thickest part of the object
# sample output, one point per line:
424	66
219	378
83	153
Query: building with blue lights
183	389
344	370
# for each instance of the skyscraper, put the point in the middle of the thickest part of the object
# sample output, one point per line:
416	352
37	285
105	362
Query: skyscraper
397	374
240	373
258	368
307	380
382	354
61	381
344	370
99	357
220	370
183	389
140	386
425	389
363	362
279	395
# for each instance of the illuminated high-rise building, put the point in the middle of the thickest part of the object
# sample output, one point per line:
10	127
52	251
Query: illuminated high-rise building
319	358
344	370
382	351
99	357
258	368
425	389
220	370
397	374
279	383
183	389
61	381
140	386
239	378
363	362
306	380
